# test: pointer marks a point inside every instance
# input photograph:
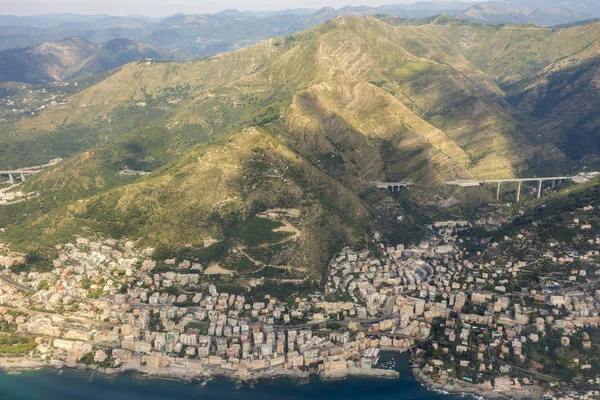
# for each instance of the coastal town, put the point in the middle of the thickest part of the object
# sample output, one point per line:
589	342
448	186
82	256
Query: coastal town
502	316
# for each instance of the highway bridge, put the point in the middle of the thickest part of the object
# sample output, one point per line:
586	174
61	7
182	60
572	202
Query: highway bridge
391	186
482	182
22	172
17	173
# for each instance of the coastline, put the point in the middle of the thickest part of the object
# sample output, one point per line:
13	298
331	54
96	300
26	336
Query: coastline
188	376
171	373
458	387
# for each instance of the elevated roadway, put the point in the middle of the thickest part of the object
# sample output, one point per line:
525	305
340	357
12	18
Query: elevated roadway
392	186
499	182
21	172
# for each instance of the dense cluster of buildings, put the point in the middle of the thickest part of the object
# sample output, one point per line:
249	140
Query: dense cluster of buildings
482	316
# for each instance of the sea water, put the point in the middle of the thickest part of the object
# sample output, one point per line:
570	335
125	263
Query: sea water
78	385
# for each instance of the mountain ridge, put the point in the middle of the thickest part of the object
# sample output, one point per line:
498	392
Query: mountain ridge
230	30
68	59
487	14
304	121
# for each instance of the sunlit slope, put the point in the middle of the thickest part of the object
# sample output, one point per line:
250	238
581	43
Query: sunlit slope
550	75
420	90
303	122
509	54
380	136
210	193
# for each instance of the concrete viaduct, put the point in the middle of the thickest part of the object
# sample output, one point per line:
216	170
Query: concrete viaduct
20	173
391	186
499	182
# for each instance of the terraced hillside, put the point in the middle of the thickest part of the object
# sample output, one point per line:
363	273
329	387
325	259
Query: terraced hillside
302	122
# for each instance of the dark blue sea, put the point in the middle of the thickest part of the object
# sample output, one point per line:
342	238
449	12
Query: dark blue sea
76	385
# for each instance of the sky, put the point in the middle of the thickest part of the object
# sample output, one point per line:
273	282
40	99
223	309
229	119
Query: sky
158	8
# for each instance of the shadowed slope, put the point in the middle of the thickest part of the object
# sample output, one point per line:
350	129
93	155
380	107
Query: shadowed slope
303	122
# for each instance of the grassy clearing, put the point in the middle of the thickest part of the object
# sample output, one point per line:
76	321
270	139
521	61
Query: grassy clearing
257	231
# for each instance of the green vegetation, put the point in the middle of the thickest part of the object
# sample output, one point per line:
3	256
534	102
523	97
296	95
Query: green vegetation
550	220
282	291
12	345
34	262
270	126
257	231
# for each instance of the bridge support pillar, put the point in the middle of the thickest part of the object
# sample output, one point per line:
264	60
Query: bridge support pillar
498	191
11	180
539	193
519	192
553	183
22	177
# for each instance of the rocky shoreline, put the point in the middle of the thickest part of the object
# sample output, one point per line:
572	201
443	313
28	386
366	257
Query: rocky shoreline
458	387
174	373
188	376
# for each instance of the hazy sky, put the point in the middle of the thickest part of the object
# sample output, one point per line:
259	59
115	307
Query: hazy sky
156	8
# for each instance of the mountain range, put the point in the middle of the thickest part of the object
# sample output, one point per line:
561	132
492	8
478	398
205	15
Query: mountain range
69	59
187	37
304	122
486	14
